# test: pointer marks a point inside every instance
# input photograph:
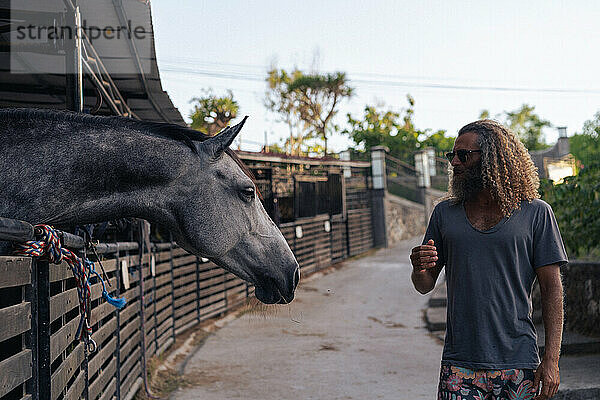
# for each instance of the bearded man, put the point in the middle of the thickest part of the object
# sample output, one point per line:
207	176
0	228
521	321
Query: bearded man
494	236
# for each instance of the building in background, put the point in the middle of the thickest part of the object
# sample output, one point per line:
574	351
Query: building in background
555	163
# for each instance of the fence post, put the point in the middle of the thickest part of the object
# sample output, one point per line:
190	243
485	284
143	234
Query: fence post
86	341
198	288
141	288
41	286
153	266
117	353
378	195
172	285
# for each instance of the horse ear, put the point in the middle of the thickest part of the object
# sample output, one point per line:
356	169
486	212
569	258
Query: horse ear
217	144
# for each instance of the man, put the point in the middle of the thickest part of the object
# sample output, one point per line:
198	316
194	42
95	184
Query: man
494	236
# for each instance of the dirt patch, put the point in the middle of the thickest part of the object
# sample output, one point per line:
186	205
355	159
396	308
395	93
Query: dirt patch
328	347
308	288
302	333
201	378
165	371
162	382
387	324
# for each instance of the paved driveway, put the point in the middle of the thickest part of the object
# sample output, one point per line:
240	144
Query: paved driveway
356	333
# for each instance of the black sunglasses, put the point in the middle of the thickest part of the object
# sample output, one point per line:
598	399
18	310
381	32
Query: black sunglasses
462	154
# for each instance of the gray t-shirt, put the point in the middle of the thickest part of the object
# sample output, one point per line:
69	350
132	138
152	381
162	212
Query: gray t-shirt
490	276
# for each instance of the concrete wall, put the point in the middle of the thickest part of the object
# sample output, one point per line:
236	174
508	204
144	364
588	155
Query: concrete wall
581	283
403	219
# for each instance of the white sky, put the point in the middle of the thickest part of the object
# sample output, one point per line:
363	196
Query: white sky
551	48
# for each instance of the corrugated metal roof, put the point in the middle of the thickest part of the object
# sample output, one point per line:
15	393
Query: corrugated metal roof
132	64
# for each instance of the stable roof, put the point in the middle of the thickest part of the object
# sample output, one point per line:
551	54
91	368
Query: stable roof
123	72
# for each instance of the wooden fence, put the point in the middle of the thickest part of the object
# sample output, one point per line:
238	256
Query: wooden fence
39	309
39	355
168	289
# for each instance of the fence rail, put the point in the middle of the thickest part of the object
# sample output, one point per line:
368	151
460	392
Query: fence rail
40	320
402	178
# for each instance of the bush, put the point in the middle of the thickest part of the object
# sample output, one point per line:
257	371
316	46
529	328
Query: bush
576	204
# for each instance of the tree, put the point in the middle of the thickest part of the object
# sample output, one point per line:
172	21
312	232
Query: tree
484	114
576	204
212	113
438	140
306	102
274	148
528	127
319	96
281	101
586	145
378	127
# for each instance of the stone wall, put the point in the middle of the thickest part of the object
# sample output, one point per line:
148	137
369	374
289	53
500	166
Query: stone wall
403	219
581	284
581	281
432	198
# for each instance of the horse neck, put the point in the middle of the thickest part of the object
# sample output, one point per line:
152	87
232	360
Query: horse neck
102	173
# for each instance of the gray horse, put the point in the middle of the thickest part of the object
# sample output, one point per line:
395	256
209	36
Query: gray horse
63	169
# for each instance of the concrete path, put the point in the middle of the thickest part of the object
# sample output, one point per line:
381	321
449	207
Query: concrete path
357	333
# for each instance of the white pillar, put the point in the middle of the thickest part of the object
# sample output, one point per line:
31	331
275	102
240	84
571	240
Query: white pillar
422	166
378	166
345	156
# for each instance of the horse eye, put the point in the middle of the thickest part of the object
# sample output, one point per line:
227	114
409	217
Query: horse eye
248	193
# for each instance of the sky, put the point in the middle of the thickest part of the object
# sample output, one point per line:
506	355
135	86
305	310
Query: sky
455	58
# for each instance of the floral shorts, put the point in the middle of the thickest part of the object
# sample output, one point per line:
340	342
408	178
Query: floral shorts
458	383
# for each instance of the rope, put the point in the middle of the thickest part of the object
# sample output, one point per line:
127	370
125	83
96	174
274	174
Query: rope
49	247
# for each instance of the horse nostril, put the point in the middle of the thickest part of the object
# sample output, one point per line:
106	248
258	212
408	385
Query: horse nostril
296	277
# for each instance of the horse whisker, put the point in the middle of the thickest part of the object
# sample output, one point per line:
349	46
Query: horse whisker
281	297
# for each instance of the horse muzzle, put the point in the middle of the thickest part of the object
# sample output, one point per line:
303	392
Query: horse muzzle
277	291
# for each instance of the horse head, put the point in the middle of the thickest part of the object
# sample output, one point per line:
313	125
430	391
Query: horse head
114	167
219	216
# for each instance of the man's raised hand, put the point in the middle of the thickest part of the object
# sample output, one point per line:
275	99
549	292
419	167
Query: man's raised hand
424	257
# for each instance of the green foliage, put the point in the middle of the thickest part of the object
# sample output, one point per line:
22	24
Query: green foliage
212	113
396	131
576	204
528	127
319	96
440	142
275	148
307	103
484	114
586	146
285	104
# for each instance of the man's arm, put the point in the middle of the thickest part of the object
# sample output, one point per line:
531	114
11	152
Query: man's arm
552	311
425	267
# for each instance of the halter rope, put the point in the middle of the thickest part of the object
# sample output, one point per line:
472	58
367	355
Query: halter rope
48	247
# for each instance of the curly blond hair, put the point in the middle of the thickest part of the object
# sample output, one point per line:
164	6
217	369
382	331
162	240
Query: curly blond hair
506	166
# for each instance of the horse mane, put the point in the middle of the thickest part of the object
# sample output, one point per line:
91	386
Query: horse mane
180	133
